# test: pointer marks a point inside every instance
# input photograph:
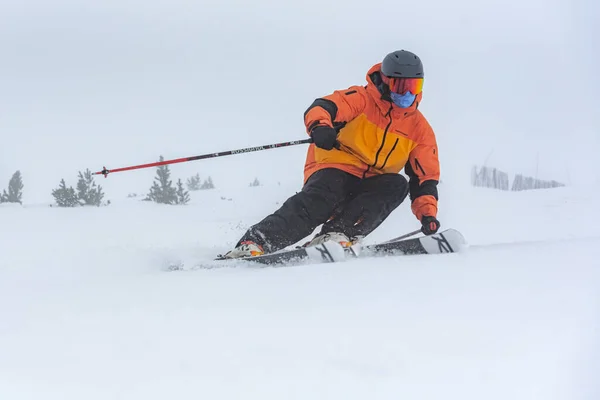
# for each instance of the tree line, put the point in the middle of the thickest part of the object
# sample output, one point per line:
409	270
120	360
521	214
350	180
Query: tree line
88	193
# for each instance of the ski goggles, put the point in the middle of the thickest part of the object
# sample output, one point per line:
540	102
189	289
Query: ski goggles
403	85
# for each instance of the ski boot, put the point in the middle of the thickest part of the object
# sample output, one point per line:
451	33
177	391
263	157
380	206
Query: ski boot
338	237
247	248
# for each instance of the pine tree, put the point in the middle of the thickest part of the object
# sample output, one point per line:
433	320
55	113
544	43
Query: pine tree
183	196
193	183
255	182
208	184
65	196
162	190
15	190
88	192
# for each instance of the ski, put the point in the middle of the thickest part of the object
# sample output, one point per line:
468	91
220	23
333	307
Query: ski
448	241
323	253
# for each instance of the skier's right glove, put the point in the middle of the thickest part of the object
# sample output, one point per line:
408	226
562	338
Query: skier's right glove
324	137
430	225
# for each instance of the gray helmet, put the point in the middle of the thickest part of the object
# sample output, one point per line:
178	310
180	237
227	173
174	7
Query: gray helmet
402	64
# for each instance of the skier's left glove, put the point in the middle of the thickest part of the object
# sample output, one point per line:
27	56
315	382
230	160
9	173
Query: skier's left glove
430	225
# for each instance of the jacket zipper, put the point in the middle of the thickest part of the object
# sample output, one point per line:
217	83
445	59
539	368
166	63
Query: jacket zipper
389	114
390	153
418	166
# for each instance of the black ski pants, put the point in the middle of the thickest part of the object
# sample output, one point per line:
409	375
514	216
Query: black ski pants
340	201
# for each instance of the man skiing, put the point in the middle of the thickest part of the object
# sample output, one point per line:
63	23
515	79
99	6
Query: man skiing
362	138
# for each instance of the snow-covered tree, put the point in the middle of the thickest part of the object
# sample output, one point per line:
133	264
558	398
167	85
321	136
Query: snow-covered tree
208	184
162	190
255	182
15	190
193	183
88	192
183	196
65	196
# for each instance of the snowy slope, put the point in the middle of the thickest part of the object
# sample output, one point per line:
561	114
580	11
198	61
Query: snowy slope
89	312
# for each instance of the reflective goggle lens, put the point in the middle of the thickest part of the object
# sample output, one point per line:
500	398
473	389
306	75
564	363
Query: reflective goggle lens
403	85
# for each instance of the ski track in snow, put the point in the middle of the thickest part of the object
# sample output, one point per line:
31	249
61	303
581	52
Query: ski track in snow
89	311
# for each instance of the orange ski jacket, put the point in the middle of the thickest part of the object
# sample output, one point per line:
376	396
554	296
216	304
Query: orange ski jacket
377	137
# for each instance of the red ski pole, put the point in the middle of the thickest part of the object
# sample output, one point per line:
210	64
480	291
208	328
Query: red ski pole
105	171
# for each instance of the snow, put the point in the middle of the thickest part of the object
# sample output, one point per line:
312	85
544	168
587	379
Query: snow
88	307
89	310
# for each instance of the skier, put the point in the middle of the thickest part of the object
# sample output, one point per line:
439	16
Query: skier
362	138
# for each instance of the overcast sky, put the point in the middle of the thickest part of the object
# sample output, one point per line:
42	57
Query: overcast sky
116	83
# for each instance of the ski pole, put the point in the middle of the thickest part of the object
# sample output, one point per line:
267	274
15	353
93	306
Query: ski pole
105	171
404	236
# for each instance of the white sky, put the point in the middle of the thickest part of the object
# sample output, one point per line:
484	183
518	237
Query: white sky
118	83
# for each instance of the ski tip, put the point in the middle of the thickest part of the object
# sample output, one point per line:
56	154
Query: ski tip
460	243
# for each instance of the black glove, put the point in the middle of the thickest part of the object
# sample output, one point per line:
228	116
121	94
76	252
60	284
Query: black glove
324	137
430	225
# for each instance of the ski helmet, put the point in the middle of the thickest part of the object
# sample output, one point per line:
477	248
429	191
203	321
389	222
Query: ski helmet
402	64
